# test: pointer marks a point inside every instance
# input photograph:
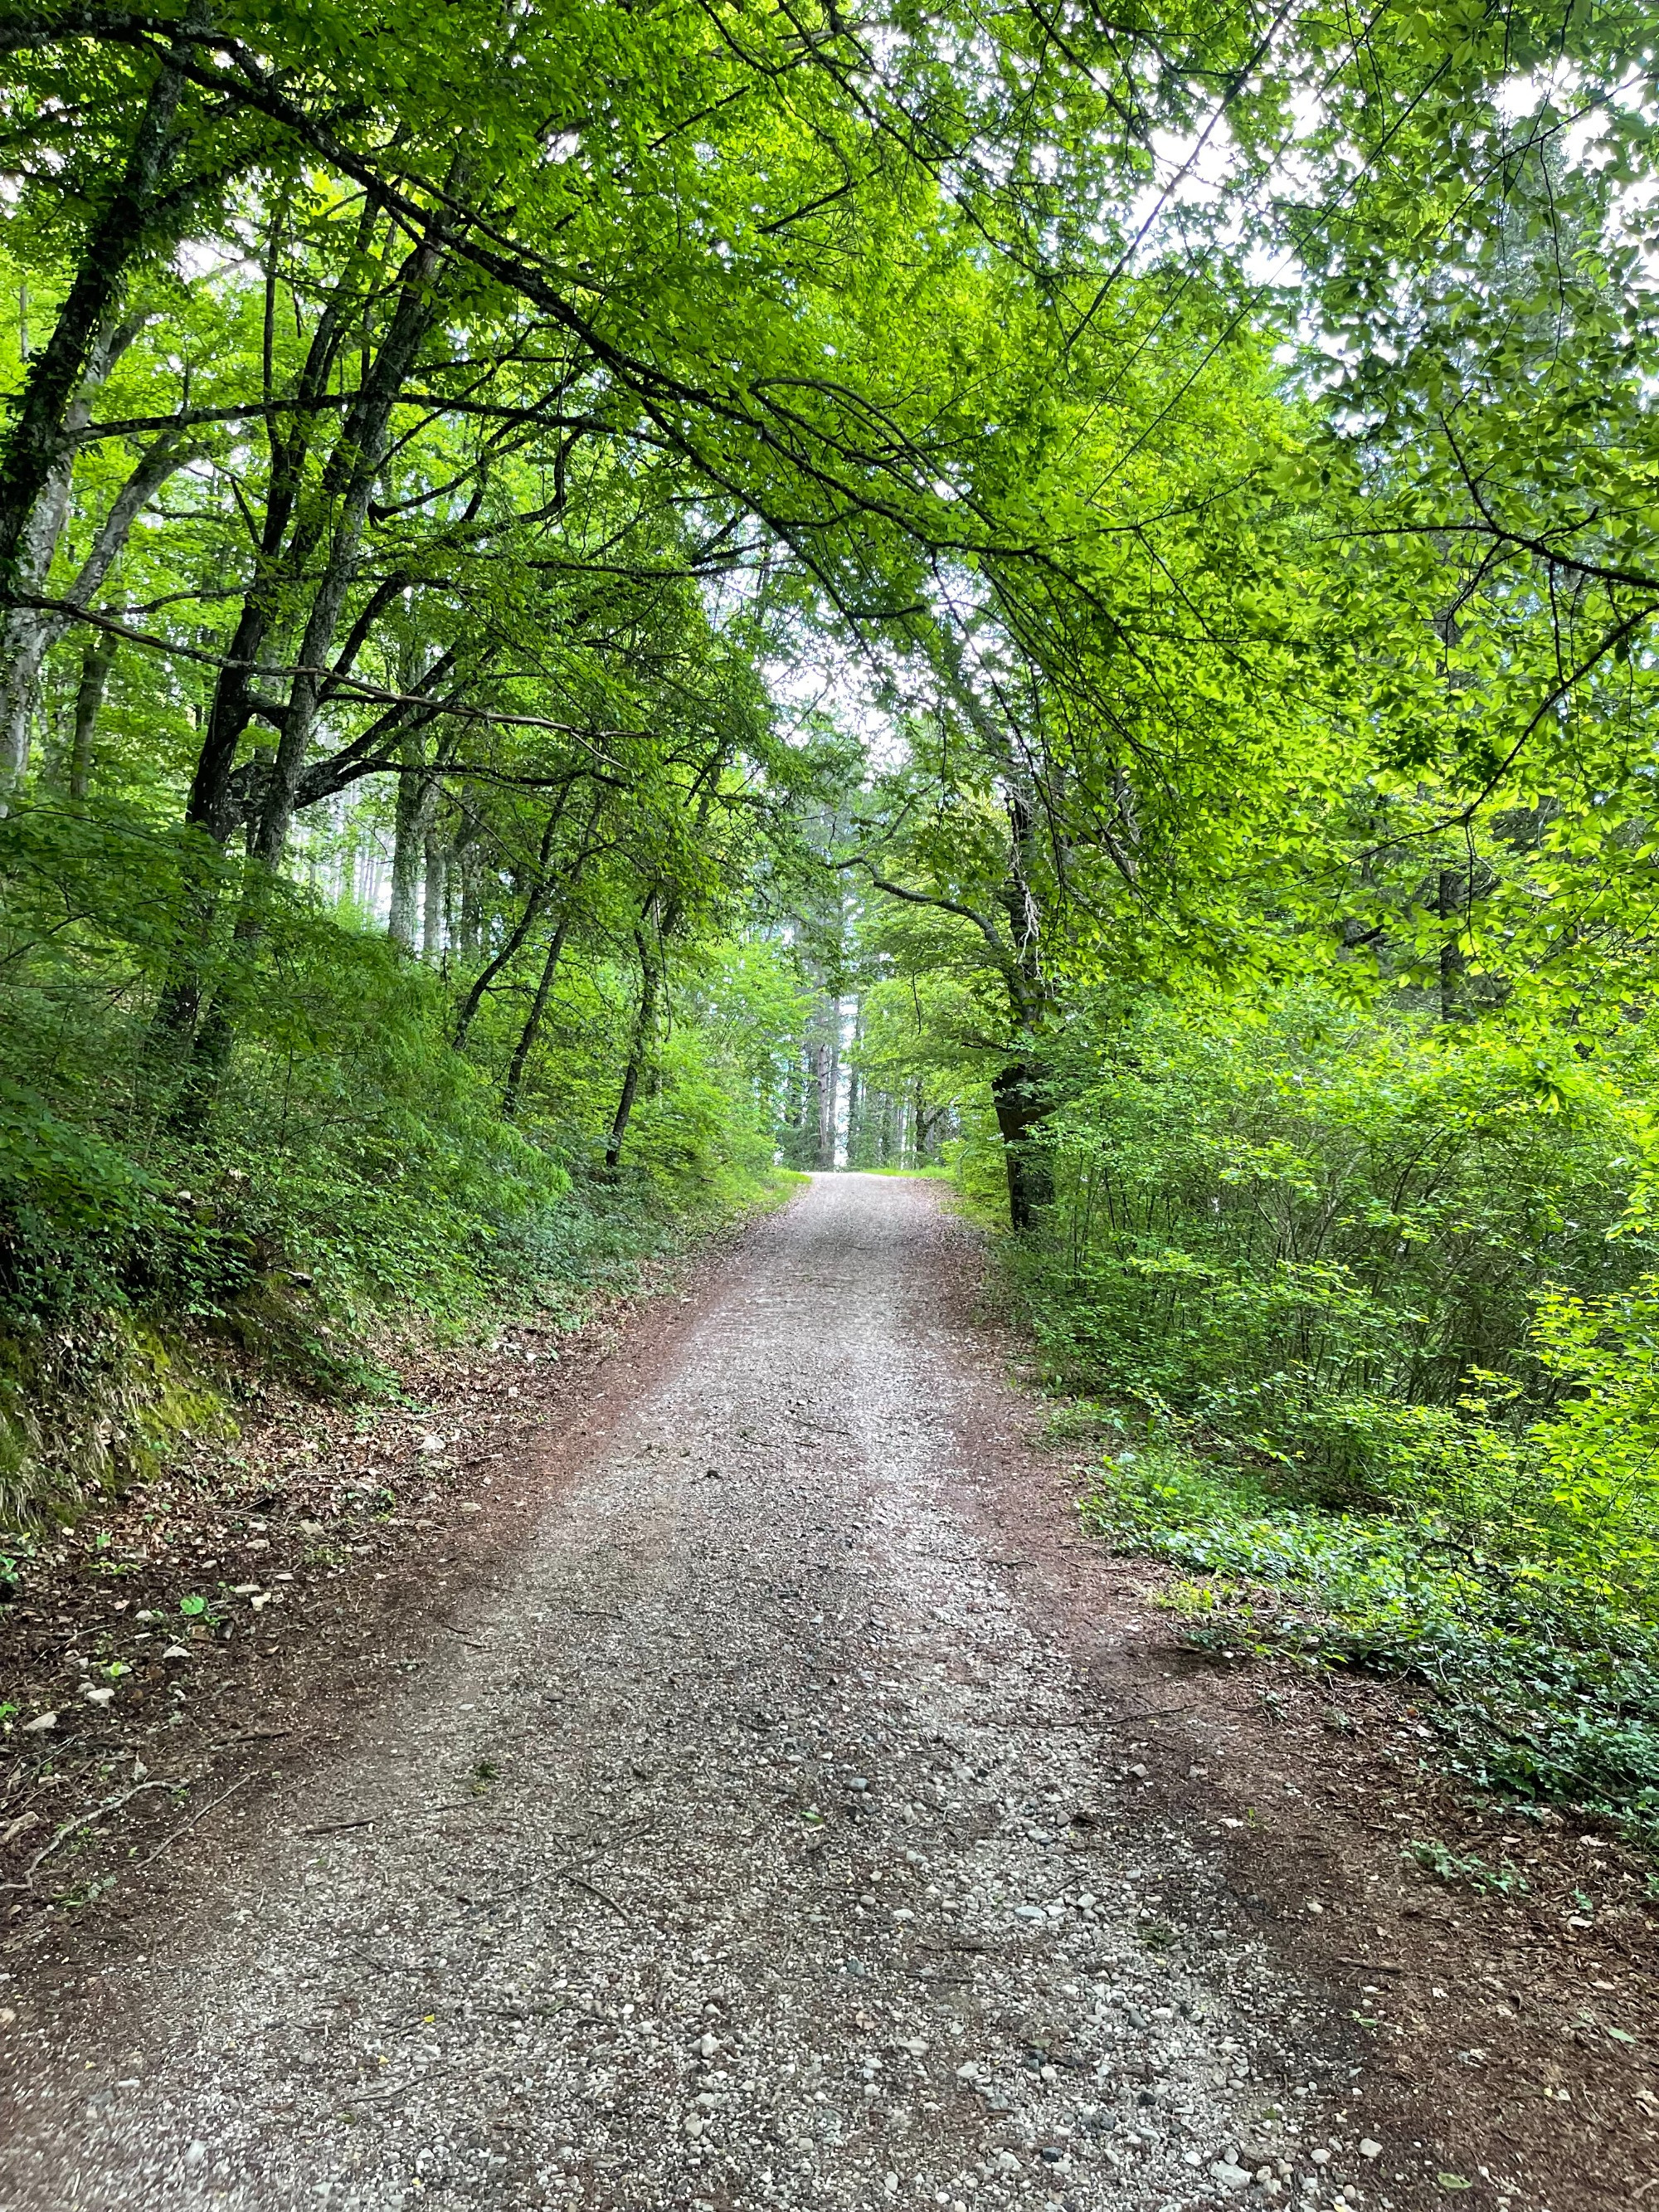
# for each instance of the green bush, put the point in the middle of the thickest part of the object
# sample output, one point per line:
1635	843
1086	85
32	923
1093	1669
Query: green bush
352	1164
1380	1293
1301	1232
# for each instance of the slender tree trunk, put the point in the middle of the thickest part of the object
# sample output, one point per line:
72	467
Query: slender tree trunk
408	844
435	903
829	1099
486	975
811	1088
283	558
96	661
645	1024
854	1115
418	801
469	873
27	633
214	805
41	440
532	1021
816	1103
535	899
354	467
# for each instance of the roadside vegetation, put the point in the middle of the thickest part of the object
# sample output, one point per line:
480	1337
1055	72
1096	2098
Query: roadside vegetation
1356	1314
1364	1319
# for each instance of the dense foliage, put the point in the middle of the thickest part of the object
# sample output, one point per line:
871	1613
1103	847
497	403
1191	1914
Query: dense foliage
595	601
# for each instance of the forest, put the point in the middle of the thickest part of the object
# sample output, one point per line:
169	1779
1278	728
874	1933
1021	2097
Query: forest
601	603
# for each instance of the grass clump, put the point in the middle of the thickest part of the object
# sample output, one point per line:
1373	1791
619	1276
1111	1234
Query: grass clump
1469	1868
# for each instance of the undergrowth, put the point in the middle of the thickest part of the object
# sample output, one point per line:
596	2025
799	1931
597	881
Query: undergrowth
1376	1301
1540	1684
353	1172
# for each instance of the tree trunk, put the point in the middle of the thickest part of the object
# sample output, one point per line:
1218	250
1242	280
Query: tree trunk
96	662
645	1024
828	1088
23	639
811	1090
535	899
41	442
418	801
235	702
27	633
532	1021
468	877
354	467
214	805
435	902
1019	1113
923	1125
338	511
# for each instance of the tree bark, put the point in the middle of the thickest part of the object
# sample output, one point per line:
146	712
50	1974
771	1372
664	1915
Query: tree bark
855	1096
27	633
41	442
645	1024
829	1091
417	801
1020	1112
535	899
435	900
532	1021
348	485
285	558
96	662
811	1090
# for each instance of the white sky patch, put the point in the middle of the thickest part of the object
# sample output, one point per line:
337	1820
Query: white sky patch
824	681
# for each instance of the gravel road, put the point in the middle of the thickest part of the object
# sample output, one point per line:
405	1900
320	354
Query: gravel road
764	1843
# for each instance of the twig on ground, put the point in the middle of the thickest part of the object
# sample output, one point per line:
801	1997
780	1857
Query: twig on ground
577	1881
84	1820
380	2096
168	1842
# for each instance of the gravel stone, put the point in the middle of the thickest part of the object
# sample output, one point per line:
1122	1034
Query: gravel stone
582	1919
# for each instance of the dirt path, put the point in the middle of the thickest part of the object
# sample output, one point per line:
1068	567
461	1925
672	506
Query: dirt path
770	1840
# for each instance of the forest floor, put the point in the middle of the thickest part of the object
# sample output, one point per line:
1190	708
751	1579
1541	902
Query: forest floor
764	1796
